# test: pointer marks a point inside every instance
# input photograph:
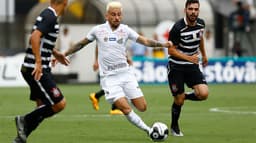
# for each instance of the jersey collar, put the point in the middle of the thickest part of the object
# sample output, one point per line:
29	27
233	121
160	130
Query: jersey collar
53	10
109	27
186	22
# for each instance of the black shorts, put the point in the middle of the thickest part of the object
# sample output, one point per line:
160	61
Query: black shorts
45	89
178	75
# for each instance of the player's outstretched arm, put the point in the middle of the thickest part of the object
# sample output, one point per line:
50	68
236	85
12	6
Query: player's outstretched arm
153	43
78	46
59	57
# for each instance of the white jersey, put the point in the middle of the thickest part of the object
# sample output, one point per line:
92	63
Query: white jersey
111	47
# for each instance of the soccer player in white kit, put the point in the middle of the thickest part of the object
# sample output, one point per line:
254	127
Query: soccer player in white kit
116	77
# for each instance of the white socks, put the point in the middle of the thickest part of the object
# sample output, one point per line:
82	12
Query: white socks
137	121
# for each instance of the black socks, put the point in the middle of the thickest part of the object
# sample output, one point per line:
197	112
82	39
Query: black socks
176	109
34	118
99	94
191	96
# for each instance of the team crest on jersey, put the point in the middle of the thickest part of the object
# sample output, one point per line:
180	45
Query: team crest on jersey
56	92
120	41
105	39
174	88
121	33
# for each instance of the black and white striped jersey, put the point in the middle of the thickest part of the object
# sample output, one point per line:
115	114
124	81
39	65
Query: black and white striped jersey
186	38
46	23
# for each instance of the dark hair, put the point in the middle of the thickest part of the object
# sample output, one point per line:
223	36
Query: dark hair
239	4
57	1
188	2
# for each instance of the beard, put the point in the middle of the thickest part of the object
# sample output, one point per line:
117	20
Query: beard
115	24
192	18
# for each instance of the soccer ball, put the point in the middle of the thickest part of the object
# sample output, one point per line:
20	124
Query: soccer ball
159	132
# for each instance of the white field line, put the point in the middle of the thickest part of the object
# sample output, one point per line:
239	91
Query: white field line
230	110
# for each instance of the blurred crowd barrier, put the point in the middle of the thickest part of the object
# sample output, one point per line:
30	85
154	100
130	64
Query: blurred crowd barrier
219	70
150	71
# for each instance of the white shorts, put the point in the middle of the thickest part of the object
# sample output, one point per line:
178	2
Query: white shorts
119	85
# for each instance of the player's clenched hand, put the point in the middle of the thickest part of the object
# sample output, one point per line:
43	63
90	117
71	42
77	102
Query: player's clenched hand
54	62
129	61
95	65
62	59
59	57
194	58
37	72
204	61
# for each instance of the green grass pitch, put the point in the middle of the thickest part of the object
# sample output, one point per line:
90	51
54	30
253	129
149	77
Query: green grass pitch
228	116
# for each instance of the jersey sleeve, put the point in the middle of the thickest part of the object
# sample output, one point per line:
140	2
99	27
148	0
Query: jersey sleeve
44	21
174	35
133	35
91	34
201	21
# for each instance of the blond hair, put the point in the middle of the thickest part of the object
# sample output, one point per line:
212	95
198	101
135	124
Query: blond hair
114	4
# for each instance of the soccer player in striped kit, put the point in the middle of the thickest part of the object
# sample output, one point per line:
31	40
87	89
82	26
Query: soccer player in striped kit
37	72
183	67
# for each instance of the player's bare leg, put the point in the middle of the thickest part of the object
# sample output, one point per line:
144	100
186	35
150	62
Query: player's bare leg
140	103
123	105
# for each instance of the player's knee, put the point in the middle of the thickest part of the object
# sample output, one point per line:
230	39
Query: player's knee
179	102
59	106
179	99
202	93
204	96
142	108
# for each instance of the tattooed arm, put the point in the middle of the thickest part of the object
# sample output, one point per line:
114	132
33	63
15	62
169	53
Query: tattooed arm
153	43
76	47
